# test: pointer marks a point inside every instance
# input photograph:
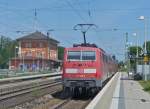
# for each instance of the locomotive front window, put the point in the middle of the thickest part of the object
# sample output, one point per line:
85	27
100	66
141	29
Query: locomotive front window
88	55
74	55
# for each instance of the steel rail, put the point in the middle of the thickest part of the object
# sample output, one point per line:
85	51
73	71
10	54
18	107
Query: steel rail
13	95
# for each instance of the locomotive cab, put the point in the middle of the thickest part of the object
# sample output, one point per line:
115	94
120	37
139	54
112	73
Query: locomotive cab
81	69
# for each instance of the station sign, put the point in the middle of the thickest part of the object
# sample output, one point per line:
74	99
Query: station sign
146	59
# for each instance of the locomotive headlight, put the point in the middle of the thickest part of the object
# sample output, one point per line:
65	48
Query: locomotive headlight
70	70
89	70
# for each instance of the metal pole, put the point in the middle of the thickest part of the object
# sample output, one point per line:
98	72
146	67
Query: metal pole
145	35
15	58
9	64
23	62
84	28
136	59
48	50
127	55
49	47
33	66
137	54
84	37
42	62
145	49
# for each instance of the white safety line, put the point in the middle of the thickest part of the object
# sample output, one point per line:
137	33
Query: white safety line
98	97
115	99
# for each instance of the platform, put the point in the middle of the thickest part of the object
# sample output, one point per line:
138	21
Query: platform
129	94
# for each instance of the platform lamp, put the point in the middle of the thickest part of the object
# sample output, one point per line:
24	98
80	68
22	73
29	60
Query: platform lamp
137	51
145	40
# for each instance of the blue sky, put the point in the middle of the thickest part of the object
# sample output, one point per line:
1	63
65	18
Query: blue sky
62	15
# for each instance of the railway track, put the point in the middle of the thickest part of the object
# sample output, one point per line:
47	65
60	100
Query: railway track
63	101
22	93
72	104
19	86
15	95
79	103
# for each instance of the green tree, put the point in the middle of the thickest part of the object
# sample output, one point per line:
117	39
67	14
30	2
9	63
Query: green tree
7	49
147	46
60	52
132	55
133	51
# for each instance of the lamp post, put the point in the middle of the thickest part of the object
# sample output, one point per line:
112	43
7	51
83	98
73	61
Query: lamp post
33	63
145	32
16	47
49	46
42	60
137	54
23	54
145	49
126	51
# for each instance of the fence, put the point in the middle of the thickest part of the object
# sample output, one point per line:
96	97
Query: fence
143	70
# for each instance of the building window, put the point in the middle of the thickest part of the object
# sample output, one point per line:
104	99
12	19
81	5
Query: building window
53	54
40	45
28	45
39	54
29	53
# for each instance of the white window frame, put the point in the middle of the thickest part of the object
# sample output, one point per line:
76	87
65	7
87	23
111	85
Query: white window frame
80	55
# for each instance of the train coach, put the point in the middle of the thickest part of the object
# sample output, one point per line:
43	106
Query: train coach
86	68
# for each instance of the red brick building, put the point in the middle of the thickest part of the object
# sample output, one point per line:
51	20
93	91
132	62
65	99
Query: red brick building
35	51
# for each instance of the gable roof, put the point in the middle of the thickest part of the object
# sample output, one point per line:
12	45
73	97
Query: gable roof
36	36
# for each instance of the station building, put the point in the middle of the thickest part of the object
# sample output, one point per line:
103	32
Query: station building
35	52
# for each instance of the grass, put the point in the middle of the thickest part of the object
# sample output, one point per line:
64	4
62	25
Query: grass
3	76
145	85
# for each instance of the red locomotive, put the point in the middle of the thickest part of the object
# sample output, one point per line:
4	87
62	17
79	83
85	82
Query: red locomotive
86	68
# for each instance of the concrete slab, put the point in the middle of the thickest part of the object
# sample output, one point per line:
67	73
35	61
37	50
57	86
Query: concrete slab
115	102
131	95
30	76
104	97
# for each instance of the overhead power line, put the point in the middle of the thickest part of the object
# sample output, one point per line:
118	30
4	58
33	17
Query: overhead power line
77	12
76	9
